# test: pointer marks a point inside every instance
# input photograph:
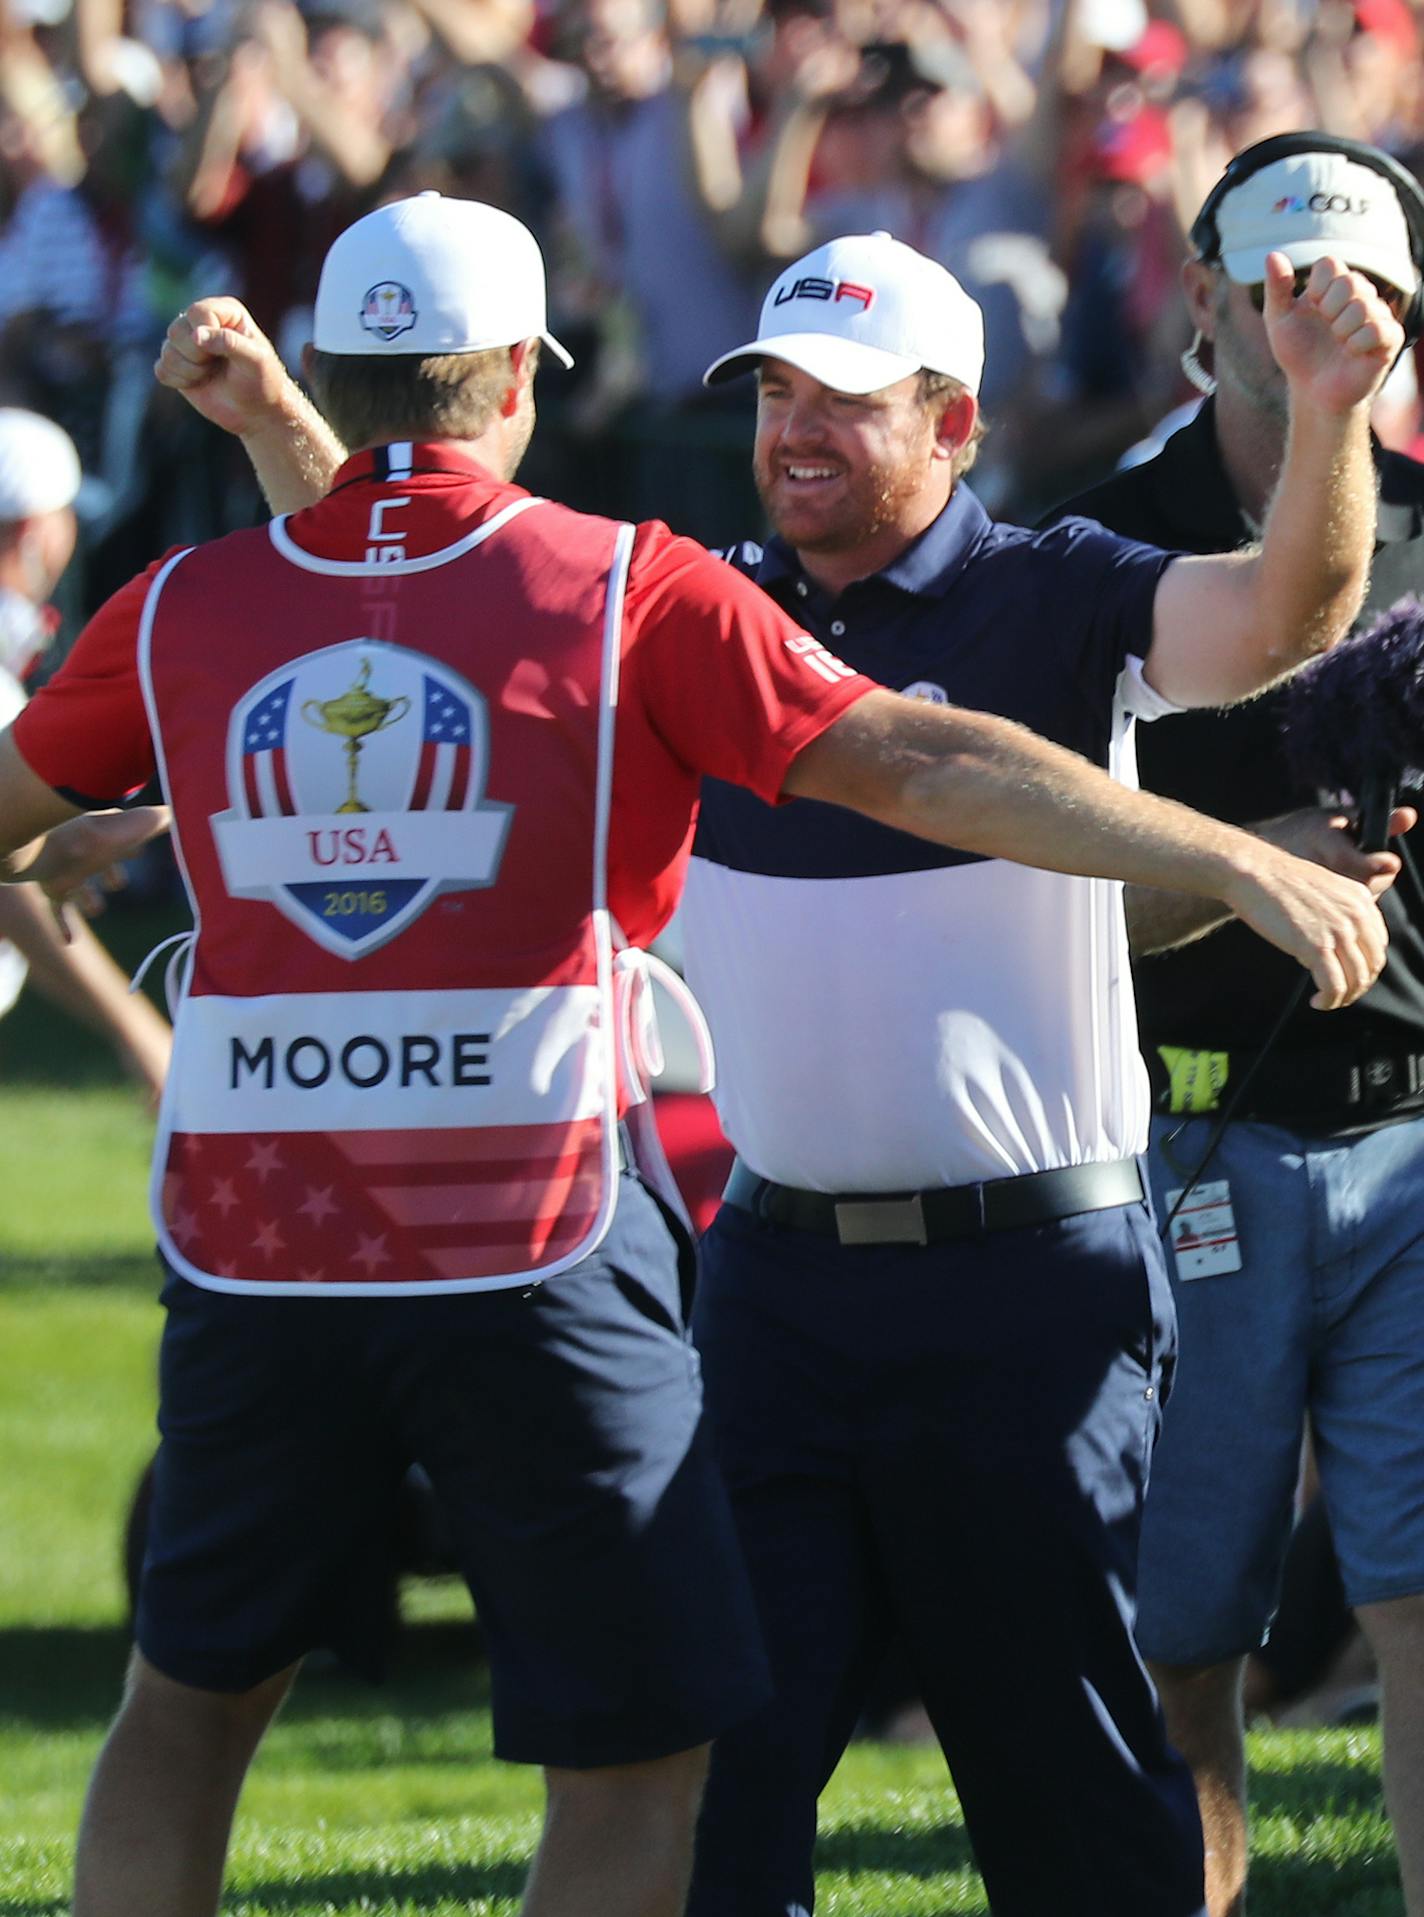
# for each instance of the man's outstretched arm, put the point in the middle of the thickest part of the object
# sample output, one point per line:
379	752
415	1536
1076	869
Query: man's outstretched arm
45	839
986	785
1160	921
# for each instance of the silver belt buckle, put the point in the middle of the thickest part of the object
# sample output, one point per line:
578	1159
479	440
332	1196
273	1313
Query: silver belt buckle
881	1221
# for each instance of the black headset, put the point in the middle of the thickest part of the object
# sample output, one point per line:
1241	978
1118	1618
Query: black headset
1284	146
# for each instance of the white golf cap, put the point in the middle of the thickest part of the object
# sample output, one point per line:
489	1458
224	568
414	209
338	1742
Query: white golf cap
431	275
39	468
1312	204
862	313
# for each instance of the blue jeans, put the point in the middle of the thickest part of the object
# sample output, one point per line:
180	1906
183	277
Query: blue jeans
1325	1318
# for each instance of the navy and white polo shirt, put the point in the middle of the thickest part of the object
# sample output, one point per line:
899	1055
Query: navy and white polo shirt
891	1015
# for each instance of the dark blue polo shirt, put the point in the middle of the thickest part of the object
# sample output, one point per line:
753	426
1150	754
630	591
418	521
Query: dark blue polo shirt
1035	626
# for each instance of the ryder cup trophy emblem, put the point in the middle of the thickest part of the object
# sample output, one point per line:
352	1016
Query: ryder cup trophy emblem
353	717
354	872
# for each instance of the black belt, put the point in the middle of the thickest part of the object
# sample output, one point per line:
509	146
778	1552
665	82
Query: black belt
1336	1085
929	1217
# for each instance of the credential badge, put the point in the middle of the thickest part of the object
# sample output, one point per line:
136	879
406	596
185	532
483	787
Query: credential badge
356	793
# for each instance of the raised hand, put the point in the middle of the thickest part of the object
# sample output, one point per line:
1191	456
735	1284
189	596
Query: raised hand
1337	340
224	365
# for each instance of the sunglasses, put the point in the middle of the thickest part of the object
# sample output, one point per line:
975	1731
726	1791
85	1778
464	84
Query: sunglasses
1393	298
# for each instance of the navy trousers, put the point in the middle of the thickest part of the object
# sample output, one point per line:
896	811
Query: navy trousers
950	1444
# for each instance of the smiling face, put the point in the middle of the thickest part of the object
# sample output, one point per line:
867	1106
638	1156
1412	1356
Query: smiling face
851	479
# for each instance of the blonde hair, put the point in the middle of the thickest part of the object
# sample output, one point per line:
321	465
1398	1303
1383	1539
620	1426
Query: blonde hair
369	401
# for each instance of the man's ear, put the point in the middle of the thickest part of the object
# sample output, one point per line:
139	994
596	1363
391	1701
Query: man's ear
1201	289
523	360
955	425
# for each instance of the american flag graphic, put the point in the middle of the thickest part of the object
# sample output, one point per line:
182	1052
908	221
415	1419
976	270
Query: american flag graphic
264	756
442	781
382	1208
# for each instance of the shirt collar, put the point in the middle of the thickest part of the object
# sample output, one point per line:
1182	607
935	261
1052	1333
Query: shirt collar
422	456
1192	480
927	567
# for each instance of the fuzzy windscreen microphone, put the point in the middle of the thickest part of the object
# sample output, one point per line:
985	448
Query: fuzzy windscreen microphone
1354	718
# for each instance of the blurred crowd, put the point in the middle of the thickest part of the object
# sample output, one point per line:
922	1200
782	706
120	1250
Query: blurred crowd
671	154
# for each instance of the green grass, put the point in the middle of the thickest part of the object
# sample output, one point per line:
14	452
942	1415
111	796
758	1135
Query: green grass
386	1801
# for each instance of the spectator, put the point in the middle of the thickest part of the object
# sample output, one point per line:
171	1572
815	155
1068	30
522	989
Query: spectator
1322	1165
636	204
39	478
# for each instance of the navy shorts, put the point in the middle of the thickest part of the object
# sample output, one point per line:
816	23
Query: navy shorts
561	1426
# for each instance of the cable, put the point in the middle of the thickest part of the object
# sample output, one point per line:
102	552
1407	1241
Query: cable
1233	1104
1377	801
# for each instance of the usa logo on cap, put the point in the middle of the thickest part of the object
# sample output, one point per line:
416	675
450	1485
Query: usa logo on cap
388	310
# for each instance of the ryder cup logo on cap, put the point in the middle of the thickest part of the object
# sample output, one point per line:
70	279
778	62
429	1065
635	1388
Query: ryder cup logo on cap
431	275
860	314
388	310
1310	205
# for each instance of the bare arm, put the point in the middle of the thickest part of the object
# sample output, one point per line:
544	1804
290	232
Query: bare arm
228	103
1228	625
227	369
758	210
479	32
985	785
772	207
78	975
357	149
1160	921
46	839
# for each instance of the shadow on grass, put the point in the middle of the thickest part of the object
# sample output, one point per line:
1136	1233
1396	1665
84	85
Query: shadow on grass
336	1890
128	1270
69	1678
366	1889
417	1889
918	1853
1322	1887
1309	1789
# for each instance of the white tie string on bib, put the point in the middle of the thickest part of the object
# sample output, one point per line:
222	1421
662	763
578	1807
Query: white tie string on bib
182	943
640	1044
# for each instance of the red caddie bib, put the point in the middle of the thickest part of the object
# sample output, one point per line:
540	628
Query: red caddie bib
394	1057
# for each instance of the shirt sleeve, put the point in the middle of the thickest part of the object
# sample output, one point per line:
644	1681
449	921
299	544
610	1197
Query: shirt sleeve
1103	590
731	684
86	733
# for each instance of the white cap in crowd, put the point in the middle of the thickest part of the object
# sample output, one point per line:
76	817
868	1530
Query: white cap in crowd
860	314
1309	205
39	468
432	275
